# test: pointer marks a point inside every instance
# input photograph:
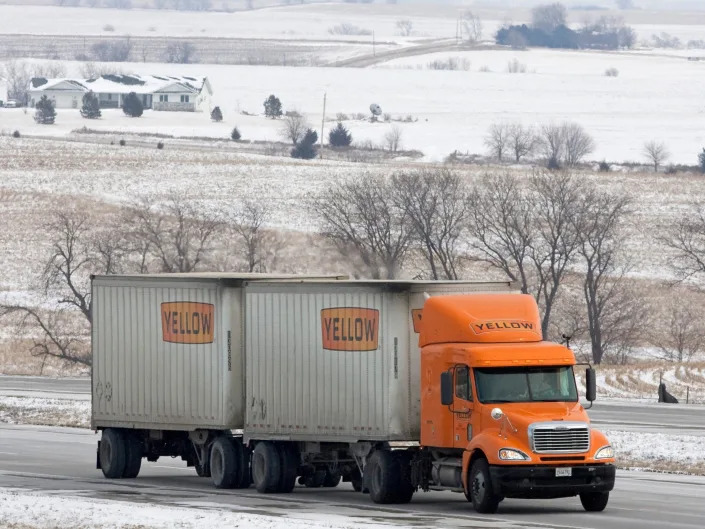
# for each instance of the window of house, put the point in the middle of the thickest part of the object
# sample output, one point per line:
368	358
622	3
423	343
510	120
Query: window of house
110	96
163	98
184	99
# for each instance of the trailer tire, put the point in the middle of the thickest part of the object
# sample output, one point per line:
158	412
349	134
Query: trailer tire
224	463
266	467
332	478
594	501
289	467
406	489
112	453
203	471
133	455
245	472
382	476
483	498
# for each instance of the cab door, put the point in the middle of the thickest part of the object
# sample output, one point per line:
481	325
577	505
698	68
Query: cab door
462	406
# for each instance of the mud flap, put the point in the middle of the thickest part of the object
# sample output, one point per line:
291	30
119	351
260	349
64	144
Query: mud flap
97	457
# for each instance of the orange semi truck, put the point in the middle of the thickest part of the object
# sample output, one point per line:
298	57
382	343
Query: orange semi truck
395	386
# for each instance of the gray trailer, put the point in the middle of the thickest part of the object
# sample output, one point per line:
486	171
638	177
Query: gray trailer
257	377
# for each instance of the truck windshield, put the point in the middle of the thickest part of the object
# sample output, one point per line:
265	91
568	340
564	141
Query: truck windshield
526	384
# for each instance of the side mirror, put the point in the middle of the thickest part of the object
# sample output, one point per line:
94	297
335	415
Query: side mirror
446	388
590	384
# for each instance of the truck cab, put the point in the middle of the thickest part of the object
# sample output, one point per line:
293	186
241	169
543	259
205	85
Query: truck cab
500	409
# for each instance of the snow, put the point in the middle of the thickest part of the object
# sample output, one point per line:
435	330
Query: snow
654	98
59	511
45	411
645	448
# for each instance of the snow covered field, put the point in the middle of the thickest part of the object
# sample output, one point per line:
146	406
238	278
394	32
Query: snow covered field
654	98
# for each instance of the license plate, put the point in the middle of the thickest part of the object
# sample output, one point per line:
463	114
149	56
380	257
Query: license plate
564	472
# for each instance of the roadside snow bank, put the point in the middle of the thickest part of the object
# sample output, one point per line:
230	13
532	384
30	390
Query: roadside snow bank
28	510
658	452
47	412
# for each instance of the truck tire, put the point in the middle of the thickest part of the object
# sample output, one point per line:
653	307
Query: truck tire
266	467
483	498
406	489
133	455
382	476
332	478
112	453
224	463
594	501
244	471
289	459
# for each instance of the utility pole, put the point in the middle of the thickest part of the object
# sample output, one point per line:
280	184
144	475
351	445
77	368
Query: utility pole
323	123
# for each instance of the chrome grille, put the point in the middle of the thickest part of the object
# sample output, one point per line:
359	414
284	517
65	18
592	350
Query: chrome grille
559	438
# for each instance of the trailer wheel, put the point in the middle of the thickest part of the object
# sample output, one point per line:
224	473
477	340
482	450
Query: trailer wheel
244	469
112	453
203	471
332	478
382	476
594	501
266	467
289	467
406	489
483	498
224	463
133	455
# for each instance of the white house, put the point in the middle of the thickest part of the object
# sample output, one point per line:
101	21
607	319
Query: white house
187	94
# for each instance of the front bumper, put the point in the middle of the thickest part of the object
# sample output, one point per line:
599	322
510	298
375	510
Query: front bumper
541	481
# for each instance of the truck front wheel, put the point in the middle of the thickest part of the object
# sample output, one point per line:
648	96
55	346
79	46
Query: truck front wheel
483	498
594	501
111	452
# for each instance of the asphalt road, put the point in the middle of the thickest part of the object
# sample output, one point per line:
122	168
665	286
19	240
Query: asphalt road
668	418
62	461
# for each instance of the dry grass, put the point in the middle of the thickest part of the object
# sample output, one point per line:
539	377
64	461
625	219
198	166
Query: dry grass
15	359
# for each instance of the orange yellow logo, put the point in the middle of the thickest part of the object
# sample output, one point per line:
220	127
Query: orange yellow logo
350	329
188	322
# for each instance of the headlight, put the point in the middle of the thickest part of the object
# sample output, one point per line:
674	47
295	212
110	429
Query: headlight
510	454
606	452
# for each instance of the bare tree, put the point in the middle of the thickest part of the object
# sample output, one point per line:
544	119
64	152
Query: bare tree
437	207
405	27
177	234
471	27
555	201
683	336
656	152
521	141
363	221
501	226
18	75
687	240
567	143
548	17
392	139
497	140
577	144
77	251
550	142
599	222
294	127
248	225
180	52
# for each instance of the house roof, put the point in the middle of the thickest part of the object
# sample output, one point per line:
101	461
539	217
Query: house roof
124	84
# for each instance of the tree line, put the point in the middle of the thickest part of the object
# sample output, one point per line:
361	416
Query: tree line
554	235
